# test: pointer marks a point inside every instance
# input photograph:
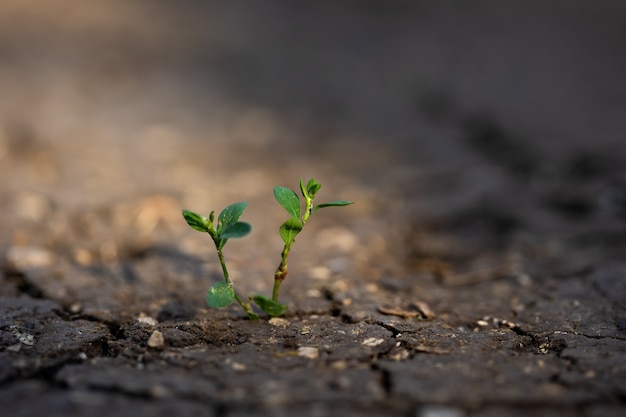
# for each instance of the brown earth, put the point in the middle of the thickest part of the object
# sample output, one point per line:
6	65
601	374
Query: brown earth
481	271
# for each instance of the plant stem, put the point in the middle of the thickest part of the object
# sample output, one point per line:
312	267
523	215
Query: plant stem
246	306
307	211
224	270
281	272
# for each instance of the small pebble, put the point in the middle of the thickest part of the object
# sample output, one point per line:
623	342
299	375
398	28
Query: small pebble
313	293
339	365
26	339
372	341
277	321
238	366
147	320
82	256
21	258
400	356
156	339
76	307
308	352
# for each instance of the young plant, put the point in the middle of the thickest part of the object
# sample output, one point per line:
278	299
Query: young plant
222	293
294	225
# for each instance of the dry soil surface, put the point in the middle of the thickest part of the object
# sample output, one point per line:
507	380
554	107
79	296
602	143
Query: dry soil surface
481	270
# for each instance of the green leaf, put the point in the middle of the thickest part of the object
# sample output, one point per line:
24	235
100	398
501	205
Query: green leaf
271	307
304	191
336	203
238	229
313	187
290	229
220	295
230	215
197	221
289	200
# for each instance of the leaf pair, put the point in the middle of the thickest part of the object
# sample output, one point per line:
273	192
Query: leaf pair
290	201
222	295
228	224
312	187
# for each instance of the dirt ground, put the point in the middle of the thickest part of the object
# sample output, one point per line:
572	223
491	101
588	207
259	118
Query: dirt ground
480	272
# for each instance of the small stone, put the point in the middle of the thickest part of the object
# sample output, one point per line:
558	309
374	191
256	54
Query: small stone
313	293
339	365
147	320
76	307
372	341
372	288
277	321
400	355
156	339
26	339
308	352
238	366
20	258
82	256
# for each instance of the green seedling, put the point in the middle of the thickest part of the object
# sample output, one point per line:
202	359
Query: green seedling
294	225
222	293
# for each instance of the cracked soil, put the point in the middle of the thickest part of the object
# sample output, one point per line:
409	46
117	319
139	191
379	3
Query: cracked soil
480	272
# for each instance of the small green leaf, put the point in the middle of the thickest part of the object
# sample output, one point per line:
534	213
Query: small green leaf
197	221
336	203
230	215
289	200
290	229
303	190
220	295
313	187
238	229
271	307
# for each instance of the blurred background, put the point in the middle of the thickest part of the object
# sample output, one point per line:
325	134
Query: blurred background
101	98
473	136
